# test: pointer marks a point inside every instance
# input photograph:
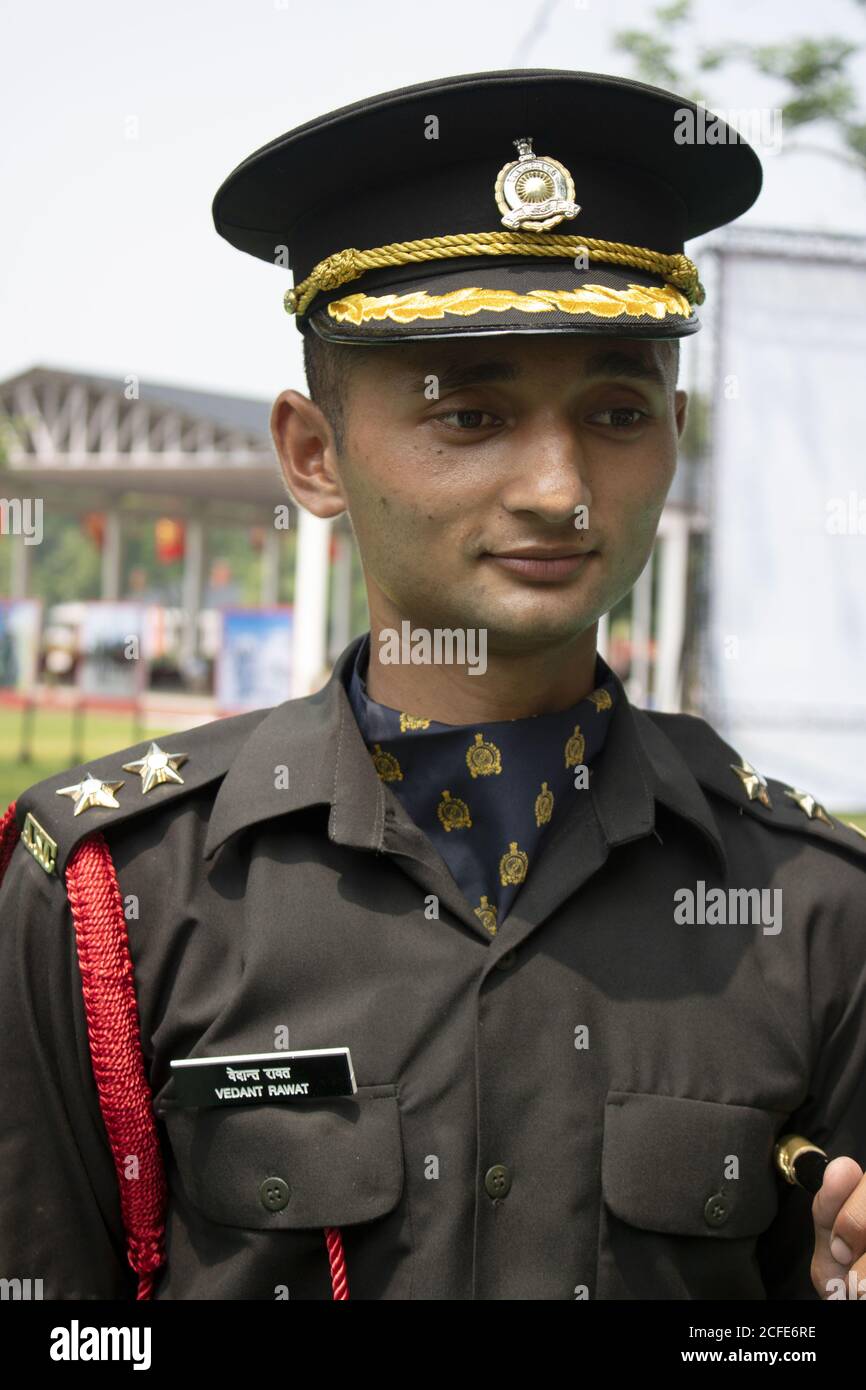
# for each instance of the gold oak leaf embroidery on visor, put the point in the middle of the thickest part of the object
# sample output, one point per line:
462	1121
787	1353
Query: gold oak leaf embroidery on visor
637	301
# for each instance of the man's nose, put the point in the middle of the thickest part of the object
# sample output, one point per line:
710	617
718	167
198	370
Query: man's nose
549	475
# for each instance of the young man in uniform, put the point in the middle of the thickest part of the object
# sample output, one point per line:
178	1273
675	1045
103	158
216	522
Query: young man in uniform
441	983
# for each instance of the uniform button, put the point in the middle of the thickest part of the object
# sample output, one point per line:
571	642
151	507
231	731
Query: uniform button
717	1209
505	962
274	1194
497	1180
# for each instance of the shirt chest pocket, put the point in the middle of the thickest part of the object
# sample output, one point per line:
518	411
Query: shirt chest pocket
688	1186
257	1194
335	1162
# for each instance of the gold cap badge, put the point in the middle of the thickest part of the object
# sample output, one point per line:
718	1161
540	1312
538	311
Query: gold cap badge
534	192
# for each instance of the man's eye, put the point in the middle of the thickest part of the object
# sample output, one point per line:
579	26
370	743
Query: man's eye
468	419
621	417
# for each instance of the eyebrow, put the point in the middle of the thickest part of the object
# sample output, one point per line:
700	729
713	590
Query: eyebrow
460	374
611	363
622	364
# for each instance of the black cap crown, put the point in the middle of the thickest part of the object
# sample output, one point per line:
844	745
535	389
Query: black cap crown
520	201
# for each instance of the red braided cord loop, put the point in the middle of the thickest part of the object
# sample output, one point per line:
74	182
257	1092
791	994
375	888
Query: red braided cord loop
115	1048
339	1282
8	838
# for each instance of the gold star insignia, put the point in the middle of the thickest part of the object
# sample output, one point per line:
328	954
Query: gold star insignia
807	803
753	782
157	767
91	792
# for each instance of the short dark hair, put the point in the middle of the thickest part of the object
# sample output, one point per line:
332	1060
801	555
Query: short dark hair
675	359
327	366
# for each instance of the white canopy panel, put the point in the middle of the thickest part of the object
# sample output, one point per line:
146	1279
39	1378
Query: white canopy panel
787	638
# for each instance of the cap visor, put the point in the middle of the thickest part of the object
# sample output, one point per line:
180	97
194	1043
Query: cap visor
552	297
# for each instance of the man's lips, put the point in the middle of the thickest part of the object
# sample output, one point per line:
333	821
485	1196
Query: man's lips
536	562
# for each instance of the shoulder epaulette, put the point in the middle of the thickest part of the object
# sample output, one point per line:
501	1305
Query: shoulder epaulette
56	814
720	769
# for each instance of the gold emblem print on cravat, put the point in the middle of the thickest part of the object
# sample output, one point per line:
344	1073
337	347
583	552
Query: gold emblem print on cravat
543	805
386	765
601	699
575	748
483	759
486	914
411	721
453	813
513	865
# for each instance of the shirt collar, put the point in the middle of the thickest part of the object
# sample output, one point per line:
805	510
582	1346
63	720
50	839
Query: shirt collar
310	752
305	752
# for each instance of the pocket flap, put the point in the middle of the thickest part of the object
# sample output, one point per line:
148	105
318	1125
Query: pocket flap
336	1162
667	1165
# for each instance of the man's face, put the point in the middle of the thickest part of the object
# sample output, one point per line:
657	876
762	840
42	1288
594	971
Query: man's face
458	451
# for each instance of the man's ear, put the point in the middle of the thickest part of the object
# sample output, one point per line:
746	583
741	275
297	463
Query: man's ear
681	401
307	452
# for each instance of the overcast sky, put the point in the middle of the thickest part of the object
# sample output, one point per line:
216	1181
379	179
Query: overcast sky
111	262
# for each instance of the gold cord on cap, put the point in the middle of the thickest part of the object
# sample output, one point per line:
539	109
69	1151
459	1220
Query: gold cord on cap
343	266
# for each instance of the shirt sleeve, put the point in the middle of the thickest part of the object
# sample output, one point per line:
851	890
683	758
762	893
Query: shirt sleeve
833	1114
60	1218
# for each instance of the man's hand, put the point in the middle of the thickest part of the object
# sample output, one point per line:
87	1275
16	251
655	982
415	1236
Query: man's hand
838	1267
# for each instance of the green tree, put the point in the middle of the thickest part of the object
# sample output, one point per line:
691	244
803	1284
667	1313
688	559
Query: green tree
814	73
69	564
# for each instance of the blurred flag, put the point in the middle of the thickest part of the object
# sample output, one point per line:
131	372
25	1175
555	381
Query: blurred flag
93	526
169	540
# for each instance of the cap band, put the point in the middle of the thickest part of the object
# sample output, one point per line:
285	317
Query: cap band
347	265
600	301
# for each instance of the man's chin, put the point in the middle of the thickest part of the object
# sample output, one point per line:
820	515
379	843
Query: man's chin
508	633
529	617
516	616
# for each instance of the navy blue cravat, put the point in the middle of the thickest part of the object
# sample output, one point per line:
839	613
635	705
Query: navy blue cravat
487	795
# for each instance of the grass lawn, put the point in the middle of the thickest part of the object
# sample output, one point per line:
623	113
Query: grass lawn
51	744
103	732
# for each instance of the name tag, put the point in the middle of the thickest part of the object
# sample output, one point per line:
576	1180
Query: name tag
264	1077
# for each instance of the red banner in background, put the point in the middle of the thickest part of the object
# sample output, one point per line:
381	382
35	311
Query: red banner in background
93	526
169	536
